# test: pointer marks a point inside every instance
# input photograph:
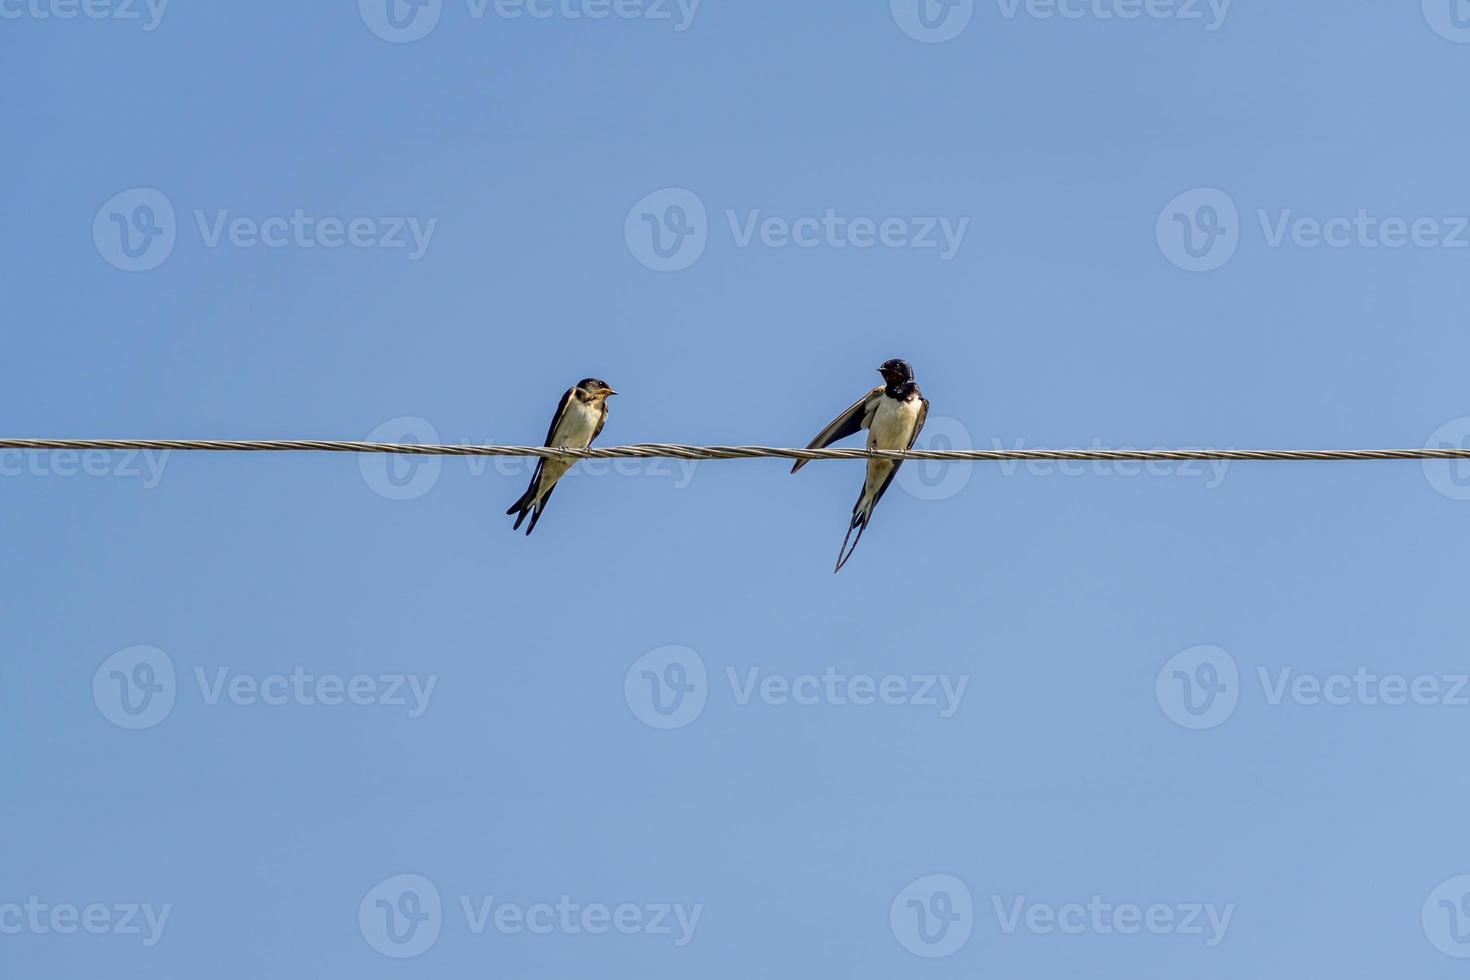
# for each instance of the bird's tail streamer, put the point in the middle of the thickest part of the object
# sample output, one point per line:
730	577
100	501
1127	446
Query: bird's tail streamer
860	524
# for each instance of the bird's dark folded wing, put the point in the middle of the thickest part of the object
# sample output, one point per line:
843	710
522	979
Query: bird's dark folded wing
841	427
919	424
561	411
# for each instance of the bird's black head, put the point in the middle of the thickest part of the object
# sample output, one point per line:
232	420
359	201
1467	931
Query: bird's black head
896	372
596	387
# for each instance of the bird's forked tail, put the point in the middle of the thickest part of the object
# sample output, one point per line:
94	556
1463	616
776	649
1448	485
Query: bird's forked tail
529	506
861	514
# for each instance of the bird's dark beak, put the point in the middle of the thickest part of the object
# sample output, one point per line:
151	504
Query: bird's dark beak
610	392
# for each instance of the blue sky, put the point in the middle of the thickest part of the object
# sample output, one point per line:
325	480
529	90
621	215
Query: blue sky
313	715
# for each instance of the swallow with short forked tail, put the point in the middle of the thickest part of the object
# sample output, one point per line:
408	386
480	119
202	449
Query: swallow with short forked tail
578	420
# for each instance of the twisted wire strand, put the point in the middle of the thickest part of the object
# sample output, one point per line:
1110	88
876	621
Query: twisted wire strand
656	450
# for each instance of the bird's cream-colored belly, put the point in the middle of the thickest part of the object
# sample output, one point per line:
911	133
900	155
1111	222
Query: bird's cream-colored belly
893	423
578	425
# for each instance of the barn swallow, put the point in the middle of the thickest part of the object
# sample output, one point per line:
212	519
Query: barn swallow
579	419
893	413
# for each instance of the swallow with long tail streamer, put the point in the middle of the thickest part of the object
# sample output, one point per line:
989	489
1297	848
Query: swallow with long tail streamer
894	414
578	420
